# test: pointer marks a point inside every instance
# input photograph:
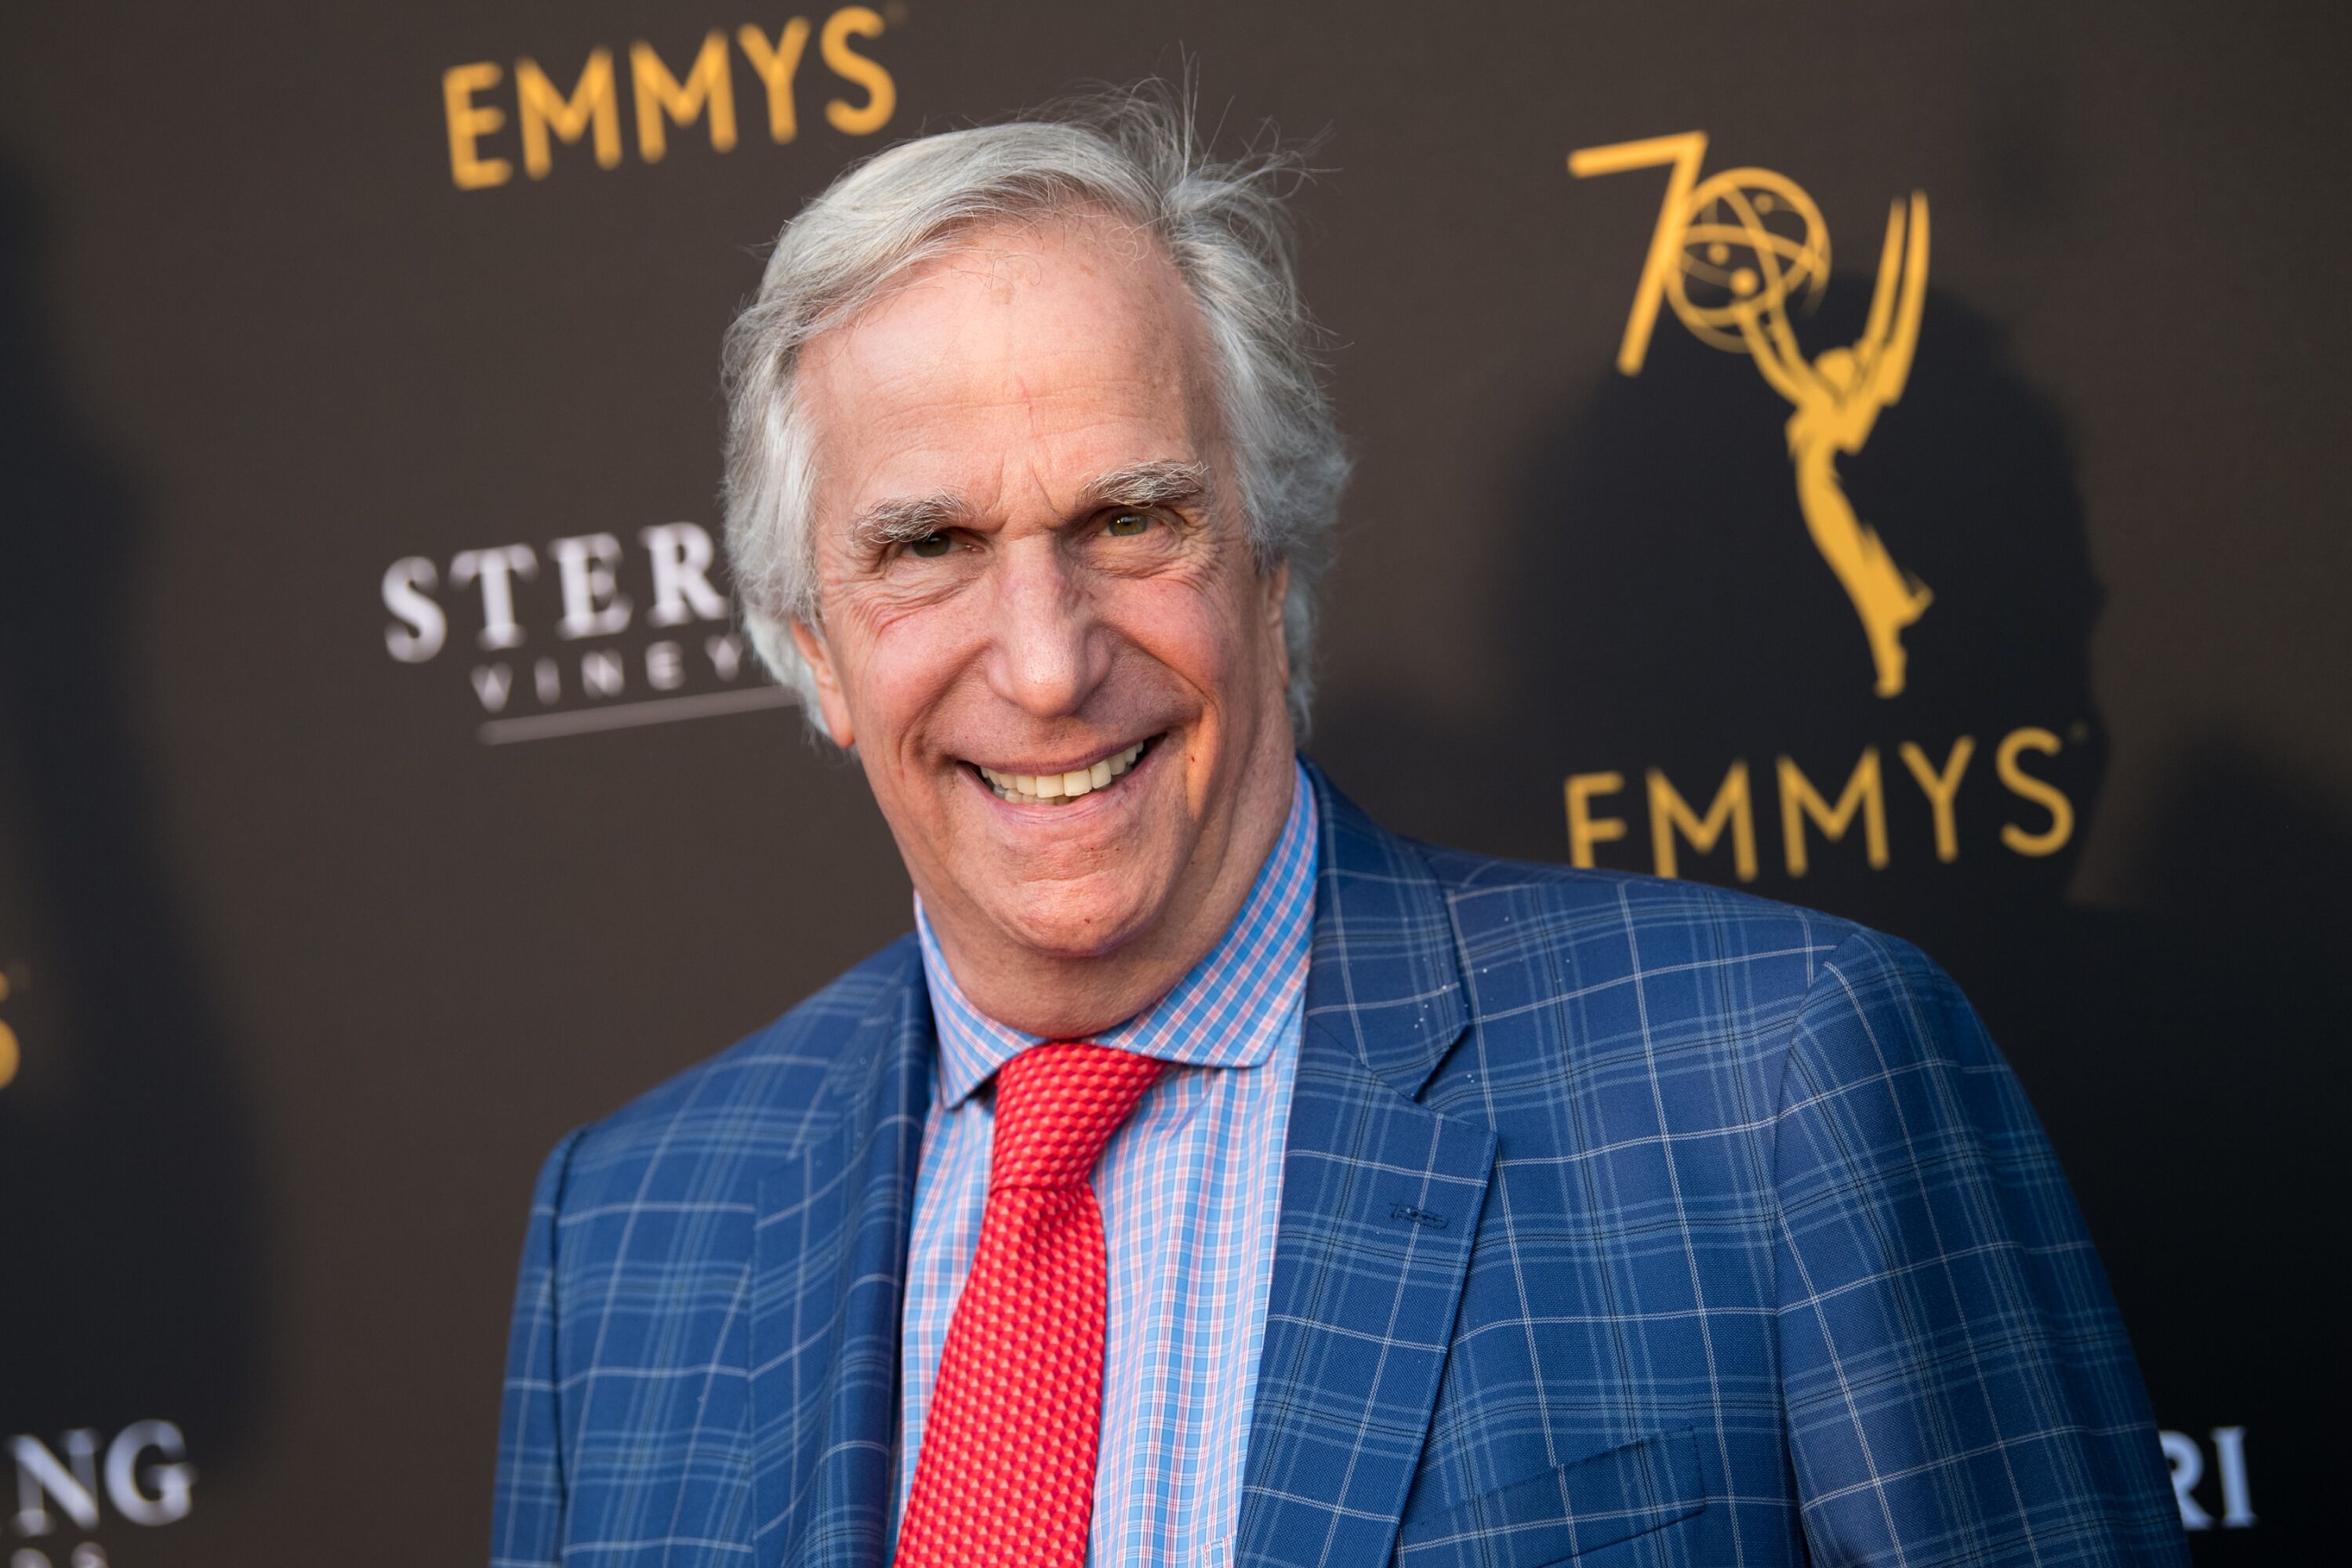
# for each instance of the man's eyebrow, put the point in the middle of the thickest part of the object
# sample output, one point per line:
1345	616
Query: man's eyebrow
1140	485
907	519
903	519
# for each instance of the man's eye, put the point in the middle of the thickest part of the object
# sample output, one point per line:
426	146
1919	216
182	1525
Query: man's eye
1127	524
931	546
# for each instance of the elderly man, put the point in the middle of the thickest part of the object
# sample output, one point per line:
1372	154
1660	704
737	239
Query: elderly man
1212	1176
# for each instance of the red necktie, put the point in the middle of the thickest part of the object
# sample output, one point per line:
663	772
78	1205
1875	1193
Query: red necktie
1006	1477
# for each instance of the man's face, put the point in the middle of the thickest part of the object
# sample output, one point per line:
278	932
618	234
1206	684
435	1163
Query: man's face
1041	623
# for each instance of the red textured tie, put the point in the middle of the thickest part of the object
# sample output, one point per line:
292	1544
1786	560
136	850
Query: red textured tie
1006	1477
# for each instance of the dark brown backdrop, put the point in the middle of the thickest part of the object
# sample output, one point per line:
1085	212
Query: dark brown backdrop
309	955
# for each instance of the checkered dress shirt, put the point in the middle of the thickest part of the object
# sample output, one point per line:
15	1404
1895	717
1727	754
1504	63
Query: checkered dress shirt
1190	1188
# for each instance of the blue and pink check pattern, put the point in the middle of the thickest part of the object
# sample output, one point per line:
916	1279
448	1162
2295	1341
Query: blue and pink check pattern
1190	1190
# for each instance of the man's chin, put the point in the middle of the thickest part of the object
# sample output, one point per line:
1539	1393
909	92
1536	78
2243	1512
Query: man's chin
1072	923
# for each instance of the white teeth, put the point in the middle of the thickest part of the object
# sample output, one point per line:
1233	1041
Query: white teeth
1031	788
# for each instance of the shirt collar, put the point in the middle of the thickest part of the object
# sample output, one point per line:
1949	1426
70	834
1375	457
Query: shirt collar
1221	1013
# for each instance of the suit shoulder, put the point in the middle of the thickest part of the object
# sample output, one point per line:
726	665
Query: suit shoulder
1652	960
1657	921
755	1096
1880	1005
1705	993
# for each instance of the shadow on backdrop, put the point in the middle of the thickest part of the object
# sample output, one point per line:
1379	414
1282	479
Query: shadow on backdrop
131	1225
1660	606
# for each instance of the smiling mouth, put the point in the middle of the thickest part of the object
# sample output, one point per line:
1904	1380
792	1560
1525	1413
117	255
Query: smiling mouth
1060	789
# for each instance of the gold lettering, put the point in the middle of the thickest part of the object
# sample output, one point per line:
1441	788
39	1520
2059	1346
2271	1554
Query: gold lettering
776	64
2027	787
11	1053
1584	829
593	101
1686	152
858	70
469	123
1864	792
1731	807
1941	787
708	85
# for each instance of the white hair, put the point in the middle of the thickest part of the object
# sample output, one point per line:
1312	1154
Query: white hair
1130	154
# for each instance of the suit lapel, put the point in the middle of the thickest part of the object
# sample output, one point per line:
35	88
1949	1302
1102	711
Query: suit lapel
828	1279
1380	1202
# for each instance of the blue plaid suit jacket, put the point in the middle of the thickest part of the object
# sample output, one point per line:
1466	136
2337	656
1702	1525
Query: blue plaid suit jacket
1623	1222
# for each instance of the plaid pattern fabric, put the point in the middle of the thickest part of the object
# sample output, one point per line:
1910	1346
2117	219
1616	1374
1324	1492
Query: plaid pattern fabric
1621	1222
1189	1188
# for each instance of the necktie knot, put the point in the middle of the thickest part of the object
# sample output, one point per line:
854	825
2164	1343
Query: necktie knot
1057	1105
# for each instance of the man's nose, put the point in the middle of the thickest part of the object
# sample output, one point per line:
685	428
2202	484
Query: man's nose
1047	658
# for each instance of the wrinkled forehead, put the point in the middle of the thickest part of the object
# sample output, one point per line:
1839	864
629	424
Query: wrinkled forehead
1049	345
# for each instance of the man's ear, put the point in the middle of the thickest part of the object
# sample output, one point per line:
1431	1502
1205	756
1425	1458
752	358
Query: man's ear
819	659
1278	600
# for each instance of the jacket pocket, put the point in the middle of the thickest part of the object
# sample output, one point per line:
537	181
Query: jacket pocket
1556	1515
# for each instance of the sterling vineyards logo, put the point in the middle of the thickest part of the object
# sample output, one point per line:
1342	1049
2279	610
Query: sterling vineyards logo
67	1488
578	633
